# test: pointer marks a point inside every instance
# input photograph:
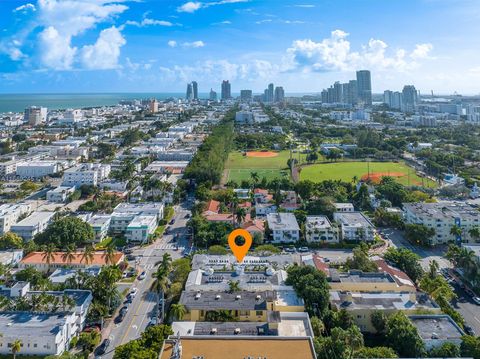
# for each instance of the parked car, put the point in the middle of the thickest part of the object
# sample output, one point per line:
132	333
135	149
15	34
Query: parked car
133	292
128	300
142	275
172	221
187	215
102	348
153	321
131	257
290	250
120	317
468	330
303	249
124	309
476	300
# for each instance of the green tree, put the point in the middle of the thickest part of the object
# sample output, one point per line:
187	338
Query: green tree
65	231
402	336
375	352
88	254
419	234
317	326
10	240
48	255
446	350
379	321
470	347
177	311
405	260
234	286
360	261
16	347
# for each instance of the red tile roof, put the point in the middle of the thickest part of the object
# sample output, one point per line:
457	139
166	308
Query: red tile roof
58	258
400	277
255	225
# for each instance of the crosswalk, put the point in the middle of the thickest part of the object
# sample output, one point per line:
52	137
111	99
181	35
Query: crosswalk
169	246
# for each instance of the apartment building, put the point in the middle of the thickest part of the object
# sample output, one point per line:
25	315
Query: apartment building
8	167
436	330
60	194
355	227
362	304
10	213
141	228
284	227
37	169
86	174
36	223
100	224
318	229
441	217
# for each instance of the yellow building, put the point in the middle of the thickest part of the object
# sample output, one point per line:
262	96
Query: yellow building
358	281
238	306
362	305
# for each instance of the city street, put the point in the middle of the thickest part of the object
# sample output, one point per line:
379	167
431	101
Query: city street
143	307
468	309
426	254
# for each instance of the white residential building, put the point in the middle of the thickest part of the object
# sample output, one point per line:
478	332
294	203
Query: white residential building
140	228
36	169
442	216
355	227
8	167
100	224
284	227
125	213
60	194
318	229
36	223
344	207
87	173
10	213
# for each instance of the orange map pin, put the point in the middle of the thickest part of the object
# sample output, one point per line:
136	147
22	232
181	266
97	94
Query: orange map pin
239	251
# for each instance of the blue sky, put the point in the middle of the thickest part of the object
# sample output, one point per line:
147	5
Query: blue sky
160	45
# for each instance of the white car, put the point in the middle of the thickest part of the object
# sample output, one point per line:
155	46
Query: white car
133	292
476	300
142	275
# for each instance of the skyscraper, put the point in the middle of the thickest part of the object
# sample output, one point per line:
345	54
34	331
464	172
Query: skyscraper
226	90
35	115
279	94
270	93
246	95
213	95
410	98
189	95
364	87
195	90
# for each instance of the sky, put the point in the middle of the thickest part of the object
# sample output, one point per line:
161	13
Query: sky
55	46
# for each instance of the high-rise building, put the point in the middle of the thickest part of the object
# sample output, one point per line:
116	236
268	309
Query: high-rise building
270	93
279	94
35	115
189	95
226	90
364	87
213	95
394	100
153	106
337	92
410	98
325	96
246	95
195	90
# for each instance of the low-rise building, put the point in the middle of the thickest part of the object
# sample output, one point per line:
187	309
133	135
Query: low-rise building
86	174
61	260
344	207
8	167
140	228
284	227
60	194
36	169
435	330
100	224
10	213
355	227
442	217
11	257
318	229
34	224
362	305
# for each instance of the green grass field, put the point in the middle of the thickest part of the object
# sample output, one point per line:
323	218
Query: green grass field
345	171
239	167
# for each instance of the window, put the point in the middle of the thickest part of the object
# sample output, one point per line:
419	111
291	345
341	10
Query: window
259	313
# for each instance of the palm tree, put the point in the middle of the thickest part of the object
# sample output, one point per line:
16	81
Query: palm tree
234	286
254	176
355	179
240	215
109	254
177	311
49	254
16	347
69	254
67	302
475	233
35	302
433	269
88	254
456	231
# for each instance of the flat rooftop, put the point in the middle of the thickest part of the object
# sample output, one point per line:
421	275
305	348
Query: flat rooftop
19	324
229	301
34	219
352	219
439	327
241	348
360	277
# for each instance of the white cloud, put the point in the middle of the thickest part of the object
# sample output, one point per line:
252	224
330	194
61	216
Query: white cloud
25	8
225	22
194	44
307	6
335	54
172	43
55	49
104	54
263	21
193	6
147	22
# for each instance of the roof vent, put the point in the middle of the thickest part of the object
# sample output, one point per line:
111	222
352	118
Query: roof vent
213	331
236	331
238	297
258	297
218	296
197	296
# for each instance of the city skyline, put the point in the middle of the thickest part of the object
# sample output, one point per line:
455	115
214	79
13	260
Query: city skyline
128	46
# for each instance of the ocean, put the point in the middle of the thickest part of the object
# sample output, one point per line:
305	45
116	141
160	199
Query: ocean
18	102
